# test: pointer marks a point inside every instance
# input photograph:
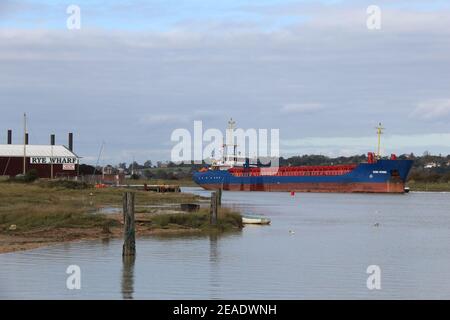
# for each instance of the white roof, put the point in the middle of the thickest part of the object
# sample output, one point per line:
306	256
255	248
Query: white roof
16	150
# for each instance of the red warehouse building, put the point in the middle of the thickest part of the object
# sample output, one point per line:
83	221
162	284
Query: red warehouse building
50	161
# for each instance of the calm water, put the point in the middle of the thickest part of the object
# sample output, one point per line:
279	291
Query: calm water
333	243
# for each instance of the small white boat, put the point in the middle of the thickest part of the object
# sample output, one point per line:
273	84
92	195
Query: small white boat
254	219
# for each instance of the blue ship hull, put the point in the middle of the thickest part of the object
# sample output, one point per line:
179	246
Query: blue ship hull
383	176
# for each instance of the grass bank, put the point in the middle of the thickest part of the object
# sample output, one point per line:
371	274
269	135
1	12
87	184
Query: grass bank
429	186
227	220
42	213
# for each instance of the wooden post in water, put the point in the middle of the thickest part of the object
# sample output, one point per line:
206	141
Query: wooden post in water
219	197
129	244
213	210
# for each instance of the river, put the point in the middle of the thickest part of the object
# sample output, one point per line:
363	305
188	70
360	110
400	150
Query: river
318	246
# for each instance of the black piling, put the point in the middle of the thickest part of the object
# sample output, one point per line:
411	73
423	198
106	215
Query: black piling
219	197
129	244
213	209
9	137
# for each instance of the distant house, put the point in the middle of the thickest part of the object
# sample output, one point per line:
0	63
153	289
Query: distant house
139	172
431	165
109	170
112	175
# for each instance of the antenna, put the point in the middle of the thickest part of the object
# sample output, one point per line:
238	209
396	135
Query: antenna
231	124
98	159
24	143
379	133
230	131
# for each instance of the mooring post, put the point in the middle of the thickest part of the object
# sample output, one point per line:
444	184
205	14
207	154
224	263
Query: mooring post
124	207
219	197
129	244
213	210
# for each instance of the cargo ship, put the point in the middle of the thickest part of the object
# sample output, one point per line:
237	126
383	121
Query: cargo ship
377	175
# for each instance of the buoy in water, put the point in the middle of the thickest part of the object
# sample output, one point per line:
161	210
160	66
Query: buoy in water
292	193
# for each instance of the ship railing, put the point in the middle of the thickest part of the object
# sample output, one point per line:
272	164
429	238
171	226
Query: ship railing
291	173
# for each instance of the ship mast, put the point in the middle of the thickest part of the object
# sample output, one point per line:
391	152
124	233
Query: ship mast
229	140
379	133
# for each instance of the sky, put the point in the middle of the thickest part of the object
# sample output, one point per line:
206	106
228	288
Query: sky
137	70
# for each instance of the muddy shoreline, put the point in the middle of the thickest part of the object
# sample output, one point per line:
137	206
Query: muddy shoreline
45	237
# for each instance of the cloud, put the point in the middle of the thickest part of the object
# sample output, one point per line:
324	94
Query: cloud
432	109
9	8
131	88
296	108
394	143
163	119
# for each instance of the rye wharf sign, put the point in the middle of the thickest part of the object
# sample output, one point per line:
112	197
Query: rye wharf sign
53	160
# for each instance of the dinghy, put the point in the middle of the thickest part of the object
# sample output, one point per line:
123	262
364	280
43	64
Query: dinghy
254	219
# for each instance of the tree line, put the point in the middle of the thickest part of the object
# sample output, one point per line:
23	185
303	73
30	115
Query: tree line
426	167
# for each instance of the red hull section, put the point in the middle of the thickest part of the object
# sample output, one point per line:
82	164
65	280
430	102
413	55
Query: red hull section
335	170
390	187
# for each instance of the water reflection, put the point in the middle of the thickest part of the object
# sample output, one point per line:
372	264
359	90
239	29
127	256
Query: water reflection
128	277
327	257
214	273
105	242
213	254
